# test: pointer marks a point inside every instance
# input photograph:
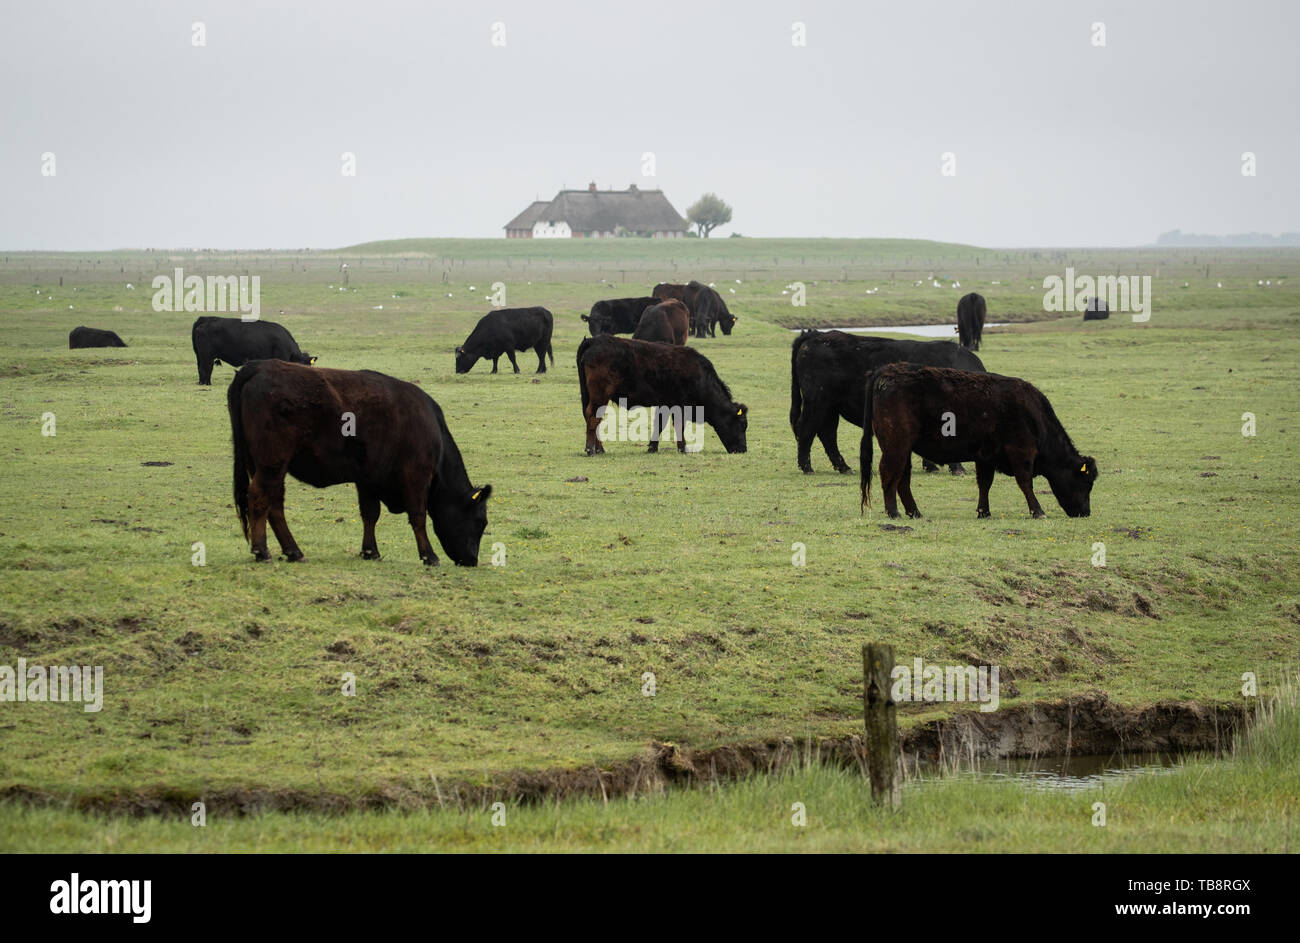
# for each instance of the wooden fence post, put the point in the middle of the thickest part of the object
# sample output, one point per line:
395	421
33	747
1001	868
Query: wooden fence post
881	717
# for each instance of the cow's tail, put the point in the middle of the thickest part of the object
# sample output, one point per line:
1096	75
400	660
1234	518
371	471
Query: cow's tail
550	329
582	374
796	396
981	312
865	449
235	407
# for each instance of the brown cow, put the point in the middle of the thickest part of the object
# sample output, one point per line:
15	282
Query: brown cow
668	322
1001	423
328	427
678	381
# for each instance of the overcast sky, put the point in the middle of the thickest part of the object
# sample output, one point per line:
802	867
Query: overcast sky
1058	142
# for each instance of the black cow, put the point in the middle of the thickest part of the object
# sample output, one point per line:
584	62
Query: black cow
827	373
706	306
1001	423
971	310
81	337
504	332
679	380
237	342
1096	310
395	447
617	315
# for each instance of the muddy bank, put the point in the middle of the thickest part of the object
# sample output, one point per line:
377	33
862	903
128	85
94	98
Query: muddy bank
1084	726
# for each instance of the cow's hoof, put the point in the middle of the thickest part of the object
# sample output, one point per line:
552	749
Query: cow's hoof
261	556
844	470
928	468
293	556
1038	514
915	516
806	469
368	554
653	447
429	561
957	470
982	514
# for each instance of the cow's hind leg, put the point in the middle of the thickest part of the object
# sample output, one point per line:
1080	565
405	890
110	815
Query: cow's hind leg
541	357
655	428
928	466
905	490
369	502
829	434
984	478
956	469
592	412
275	494
806	429
892	466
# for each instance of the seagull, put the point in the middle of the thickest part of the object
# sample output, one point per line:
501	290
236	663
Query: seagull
1220	284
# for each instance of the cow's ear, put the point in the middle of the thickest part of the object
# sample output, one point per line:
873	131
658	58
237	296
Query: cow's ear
313	360
481	494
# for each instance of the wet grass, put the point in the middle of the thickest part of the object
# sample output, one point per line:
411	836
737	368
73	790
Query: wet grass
229	676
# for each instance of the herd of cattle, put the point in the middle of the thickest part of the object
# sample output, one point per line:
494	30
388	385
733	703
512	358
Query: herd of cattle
931	398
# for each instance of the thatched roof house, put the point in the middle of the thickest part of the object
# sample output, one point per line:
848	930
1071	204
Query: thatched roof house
596	213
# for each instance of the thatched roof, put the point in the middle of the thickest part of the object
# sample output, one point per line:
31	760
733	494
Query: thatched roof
634	209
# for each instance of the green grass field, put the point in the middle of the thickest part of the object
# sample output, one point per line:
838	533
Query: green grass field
226	679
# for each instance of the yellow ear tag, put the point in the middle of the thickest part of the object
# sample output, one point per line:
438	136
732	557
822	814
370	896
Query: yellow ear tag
740	412
1084	469
474	496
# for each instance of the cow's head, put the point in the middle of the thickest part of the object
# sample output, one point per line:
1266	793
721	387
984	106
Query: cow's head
727	323
731	426
464	361
1072	485
302	357
459	522
599	321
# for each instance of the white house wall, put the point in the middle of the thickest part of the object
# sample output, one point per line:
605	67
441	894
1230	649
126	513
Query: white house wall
545	230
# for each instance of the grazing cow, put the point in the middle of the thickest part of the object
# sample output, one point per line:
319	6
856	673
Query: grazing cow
828	370
678	380
971	310
81	337
504	332
1001	423
236	342
328	427
668	323
1096	310
617	315
706	306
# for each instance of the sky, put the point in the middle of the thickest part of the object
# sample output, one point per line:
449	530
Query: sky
459	114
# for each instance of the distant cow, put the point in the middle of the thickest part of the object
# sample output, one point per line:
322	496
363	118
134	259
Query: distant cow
667	322
828	374
504	332
617	315
236	342
1001	423
706	306
1096	310
92	337
398	450
678	379
971	310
